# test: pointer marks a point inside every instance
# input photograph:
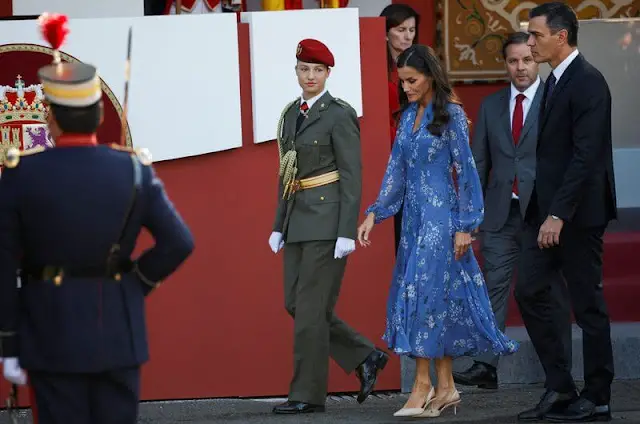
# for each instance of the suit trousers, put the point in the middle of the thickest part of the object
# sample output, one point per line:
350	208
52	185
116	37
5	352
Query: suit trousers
501	253
579	259
110	397
312	280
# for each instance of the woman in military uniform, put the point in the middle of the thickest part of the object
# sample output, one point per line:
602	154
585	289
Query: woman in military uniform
316	223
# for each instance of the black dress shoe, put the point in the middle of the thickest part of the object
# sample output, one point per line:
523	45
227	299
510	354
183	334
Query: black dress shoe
293	407
580	411
479	374
367	372
549	402
603	413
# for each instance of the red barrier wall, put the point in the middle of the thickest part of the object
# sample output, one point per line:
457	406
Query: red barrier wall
218	328
6	8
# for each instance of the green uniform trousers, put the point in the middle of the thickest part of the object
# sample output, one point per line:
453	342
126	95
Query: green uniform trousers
312	280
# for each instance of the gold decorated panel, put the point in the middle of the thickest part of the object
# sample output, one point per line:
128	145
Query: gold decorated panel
471	32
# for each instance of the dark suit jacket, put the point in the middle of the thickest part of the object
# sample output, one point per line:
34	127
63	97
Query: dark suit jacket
499	160
328	140
574	167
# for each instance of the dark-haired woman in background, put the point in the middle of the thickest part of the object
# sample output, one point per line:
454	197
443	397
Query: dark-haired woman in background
438	306
402	32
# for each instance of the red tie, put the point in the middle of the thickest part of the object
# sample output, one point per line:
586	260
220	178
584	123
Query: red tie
304	107
516	129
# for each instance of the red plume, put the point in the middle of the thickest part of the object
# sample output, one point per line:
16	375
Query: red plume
54	28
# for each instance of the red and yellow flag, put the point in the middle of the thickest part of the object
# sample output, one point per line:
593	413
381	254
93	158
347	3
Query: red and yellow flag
333	4
281	4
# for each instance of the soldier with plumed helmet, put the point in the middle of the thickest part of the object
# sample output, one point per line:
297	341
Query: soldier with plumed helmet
70	217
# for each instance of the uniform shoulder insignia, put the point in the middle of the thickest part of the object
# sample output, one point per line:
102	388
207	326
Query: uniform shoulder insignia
143	154
12	158
345	106
342	103
122	148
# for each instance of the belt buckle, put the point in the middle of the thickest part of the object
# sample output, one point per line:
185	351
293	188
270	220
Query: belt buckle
295	186
54	273
49	272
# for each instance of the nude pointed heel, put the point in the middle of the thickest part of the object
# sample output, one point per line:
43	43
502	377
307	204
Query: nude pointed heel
454	400
416	412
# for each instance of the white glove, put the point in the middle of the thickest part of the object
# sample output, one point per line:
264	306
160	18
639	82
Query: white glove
275	241
13	373
344	246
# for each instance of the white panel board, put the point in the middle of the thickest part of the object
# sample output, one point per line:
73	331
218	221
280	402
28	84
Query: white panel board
81	8
183	99
274	37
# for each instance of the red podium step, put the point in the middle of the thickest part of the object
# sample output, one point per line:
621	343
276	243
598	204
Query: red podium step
621	278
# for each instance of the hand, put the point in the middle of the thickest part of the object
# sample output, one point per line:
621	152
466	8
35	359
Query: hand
275	241
461	244
365	228
549	234
344	246
13	373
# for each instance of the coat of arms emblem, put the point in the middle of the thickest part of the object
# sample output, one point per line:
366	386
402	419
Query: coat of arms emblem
23	116
23	111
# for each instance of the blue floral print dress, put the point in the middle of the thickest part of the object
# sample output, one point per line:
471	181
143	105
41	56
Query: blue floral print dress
437	306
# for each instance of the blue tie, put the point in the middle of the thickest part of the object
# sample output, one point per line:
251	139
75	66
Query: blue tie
551	84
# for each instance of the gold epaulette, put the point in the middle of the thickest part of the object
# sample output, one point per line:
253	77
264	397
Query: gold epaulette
12	158
143	154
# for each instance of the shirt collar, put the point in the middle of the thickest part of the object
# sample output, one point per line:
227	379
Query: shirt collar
529	93
312	100
76	140
559	70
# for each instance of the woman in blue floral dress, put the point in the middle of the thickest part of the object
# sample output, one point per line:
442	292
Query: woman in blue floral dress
438	306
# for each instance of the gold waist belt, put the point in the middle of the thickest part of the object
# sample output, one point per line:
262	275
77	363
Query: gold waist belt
311	182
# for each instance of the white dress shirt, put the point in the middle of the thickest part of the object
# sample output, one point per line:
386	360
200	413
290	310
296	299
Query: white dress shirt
559	70
312	100
529	94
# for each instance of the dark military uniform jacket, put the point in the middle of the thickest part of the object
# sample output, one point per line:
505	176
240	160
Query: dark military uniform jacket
327	140
63	209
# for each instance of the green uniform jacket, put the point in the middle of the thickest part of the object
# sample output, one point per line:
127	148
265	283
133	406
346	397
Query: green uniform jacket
328	140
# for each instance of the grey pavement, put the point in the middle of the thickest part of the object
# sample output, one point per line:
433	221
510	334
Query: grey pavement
478	406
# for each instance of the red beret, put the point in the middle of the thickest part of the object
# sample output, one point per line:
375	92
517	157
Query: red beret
314	51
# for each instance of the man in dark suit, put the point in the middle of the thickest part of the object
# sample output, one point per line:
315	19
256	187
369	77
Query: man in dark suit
504	148
69	220
316	222
572	202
